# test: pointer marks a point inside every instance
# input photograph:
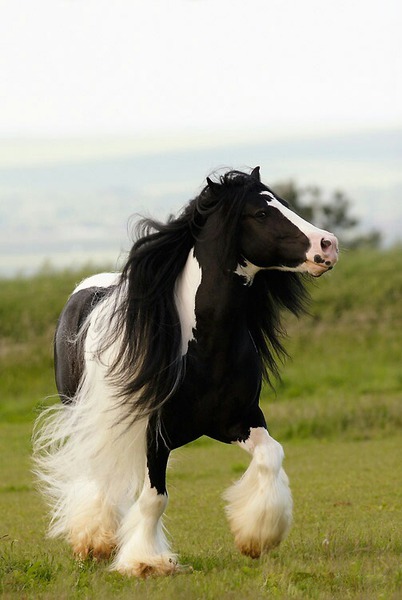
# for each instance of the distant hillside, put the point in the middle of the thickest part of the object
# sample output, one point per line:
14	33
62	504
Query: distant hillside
69	211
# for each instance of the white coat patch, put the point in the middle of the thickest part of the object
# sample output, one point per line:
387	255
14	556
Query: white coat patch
101	280
186	288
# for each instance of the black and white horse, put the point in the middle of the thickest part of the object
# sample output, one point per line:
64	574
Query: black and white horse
173	348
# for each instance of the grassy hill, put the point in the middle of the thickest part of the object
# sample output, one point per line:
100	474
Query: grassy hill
344	375
336	411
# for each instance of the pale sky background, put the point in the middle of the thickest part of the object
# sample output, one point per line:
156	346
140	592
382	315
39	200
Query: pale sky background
108	107
140	67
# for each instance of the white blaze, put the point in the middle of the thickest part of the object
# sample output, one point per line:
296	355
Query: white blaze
305	227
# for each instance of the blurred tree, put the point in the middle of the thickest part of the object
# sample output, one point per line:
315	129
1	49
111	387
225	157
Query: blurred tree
331	213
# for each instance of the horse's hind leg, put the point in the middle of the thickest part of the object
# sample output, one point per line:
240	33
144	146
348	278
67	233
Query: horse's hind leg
259	506
143	547
92	522
86	465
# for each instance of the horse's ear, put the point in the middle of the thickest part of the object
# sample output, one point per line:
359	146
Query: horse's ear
212	185
255	174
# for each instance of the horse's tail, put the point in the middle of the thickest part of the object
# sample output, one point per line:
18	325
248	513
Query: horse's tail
89	446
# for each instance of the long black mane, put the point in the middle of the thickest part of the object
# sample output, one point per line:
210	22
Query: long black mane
149	366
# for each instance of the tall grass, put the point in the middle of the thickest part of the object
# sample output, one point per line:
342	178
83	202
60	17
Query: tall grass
29	309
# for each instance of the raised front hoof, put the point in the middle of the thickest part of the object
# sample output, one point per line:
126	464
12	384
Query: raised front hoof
155	567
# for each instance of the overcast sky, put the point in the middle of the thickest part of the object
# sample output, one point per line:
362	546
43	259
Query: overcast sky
143	67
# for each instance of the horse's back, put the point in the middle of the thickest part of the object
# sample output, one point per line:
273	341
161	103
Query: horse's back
68	343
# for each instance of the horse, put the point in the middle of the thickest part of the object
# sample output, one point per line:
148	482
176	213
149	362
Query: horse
175	347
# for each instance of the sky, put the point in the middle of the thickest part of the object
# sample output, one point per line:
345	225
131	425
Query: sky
123	104
182	68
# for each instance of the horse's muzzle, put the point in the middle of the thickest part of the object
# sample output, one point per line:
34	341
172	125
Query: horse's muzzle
322	255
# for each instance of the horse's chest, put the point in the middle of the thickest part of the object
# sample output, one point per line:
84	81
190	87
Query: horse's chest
212	401
221	386
223	381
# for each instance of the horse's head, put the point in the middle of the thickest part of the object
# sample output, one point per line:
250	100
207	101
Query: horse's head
274	237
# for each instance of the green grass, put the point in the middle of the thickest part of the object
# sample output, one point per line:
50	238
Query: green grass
344	543
336	411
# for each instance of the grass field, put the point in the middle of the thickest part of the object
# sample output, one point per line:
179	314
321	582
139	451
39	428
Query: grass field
337	412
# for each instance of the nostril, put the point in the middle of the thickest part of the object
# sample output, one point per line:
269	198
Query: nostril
325	243
318	259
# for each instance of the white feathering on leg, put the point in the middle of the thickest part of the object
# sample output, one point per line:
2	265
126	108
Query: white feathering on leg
90	460
259	506
91	463
143	546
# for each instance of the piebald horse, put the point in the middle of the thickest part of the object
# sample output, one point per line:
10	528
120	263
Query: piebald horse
175	347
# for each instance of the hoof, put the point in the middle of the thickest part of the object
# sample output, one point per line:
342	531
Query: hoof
254	548
155	567
94	543
98	552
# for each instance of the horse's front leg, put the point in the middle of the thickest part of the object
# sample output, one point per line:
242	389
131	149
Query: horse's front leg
259	505
143	547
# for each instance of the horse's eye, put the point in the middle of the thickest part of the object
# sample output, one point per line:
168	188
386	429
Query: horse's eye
261	214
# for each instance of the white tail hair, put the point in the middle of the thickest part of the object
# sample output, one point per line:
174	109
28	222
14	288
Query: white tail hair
89	456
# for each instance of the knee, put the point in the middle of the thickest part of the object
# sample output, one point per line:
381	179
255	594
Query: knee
152	504
269	456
